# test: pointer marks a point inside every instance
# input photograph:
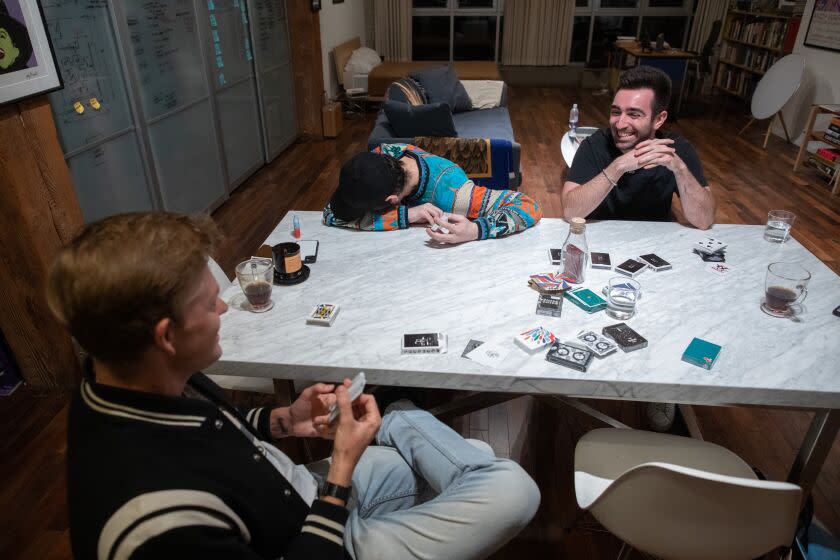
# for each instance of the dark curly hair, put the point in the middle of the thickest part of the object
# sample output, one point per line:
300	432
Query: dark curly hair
397	172
647	77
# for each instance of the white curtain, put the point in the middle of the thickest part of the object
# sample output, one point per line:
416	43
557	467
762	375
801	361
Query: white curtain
708	11
392	20
537	32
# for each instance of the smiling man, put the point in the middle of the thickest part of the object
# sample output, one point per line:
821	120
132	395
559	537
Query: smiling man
631	170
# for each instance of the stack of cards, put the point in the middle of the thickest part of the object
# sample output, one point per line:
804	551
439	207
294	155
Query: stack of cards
534	339
626	338
711	250
586	299
600	260
701	353
424	343
549	305
631	268
655	262
323	314
549	282
599	345
569	356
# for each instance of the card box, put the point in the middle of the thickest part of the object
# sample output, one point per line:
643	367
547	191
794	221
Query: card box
569	356
626	338
323	314
600	260
701	353
586	299
424	343
549	305
534	339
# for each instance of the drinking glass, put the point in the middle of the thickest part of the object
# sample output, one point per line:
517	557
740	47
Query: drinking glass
778	225
622	295
255	278
785	285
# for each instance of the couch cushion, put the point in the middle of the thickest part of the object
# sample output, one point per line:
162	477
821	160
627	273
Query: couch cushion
442	85
484	123
434	119
406	90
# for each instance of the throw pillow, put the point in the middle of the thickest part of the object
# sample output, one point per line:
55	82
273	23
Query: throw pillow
408	121
442	86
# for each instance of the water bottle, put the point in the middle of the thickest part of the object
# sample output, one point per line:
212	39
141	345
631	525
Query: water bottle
576	252
573	120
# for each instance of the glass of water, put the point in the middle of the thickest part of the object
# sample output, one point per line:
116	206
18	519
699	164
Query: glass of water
778	226
622	295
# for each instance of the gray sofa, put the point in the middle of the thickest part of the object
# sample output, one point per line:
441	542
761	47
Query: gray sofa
479	123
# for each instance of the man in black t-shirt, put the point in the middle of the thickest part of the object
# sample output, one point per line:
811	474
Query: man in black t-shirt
630	171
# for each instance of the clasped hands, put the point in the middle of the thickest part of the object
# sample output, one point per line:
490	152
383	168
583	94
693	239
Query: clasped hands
460	228
650	153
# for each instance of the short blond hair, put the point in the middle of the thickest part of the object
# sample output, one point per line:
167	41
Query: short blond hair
112	284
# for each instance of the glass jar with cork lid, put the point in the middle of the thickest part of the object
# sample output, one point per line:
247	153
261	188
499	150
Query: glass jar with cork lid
575	252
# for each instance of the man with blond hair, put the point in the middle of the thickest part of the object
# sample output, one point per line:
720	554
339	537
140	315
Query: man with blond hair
161	465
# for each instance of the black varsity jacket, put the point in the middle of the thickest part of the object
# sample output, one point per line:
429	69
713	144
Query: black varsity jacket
154	476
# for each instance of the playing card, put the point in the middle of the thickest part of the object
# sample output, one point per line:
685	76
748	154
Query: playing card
709	245
631	268
323	314
490	354
471	345
718	256
719	268
600	346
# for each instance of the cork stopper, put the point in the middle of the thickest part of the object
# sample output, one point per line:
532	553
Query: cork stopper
578	225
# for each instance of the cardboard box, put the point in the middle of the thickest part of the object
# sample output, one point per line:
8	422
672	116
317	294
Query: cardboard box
333	119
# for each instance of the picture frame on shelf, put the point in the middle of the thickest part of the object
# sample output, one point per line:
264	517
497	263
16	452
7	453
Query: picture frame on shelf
823	25
28	66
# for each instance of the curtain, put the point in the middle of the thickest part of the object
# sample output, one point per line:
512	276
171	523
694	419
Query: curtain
708	11
392	21
537	32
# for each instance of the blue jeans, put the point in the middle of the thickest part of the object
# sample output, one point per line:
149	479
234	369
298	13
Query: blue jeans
425	492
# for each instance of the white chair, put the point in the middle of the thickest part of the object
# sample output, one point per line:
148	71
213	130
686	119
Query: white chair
236	382
681	498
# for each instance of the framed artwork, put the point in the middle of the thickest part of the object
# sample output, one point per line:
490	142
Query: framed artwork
27	61
822	29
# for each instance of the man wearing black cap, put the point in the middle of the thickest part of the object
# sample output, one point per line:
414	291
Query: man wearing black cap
399	184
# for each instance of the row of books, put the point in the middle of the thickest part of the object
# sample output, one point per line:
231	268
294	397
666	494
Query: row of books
817	162
739	81
768	33
757	59
832	133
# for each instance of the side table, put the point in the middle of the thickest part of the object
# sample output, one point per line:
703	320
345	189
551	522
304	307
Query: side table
819	136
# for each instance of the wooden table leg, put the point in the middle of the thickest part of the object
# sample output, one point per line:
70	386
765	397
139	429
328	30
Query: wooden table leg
746	126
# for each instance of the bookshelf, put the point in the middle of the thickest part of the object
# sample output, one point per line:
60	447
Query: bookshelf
826	168
752	42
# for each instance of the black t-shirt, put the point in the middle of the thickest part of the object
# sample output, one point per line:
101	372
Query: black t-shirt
644	194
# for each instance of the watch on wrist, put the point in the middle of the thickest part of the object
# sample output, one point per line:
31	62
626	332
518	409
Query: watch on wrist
336	491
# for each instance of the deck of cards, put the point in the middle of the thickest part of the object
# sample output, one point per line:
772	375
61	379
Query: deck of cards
626	338
534	339
549	282
701	353
569	356
424	343
655	262
586	299
631	268
600	260
600	345
550	305
323	314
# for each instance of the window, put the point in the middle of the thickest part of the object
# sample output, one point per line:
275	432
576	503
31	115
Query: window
580	38
430	38
673	27
619	3
456	29
474	38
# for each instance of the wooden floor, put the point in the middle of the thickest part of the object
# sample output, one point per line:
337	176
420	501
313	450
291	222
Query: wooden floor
747	181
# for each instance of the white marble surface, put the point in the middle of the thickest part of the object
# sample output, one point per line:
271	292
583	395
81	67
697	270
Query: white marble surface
390	283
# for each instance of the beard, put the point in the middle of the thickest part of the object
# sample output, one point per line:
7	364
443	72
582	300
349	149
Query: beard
628	136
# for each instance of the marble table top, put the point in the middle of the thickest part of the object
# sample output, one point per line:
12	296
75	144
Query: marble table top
390	283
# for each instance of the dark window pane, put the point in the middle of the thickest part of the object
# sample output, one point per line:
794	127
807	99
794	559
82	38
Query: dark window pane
665	3
672	26
581	3
475	3
605	31
474	38
430	38
619	3
429	3
580	35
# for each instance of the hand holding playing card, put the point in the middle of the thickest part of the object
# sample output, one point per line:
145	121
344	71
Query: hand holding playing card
460	229
299	418
425	213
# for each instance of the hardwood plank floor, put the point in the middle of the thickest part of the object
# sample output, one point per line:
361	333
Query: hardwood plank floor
747	182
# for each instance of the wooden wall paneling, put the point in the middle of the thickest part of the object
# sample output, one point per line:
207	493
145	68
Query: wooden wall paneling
39	213
307	68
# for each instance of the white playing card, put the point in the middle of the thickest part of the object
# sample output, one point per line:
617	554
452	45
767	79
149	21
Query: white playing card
719	268
490	354
709	245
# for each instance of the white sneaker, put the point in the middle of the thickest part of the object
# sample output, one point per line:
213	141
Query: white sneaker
660	416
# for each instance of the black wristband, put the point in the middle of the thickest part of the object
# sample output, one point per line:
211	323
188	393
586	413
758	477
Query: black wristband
336	491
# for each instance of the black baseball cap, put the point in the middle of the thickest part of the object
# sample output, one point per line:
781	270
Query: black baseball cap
364	183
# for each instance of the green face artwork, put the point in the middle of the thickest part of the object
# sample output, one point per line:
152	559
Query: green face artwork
8	52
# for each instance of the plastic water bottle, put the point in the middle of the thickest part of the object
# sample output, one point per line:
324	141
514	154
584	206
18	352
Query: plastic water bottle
573	120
